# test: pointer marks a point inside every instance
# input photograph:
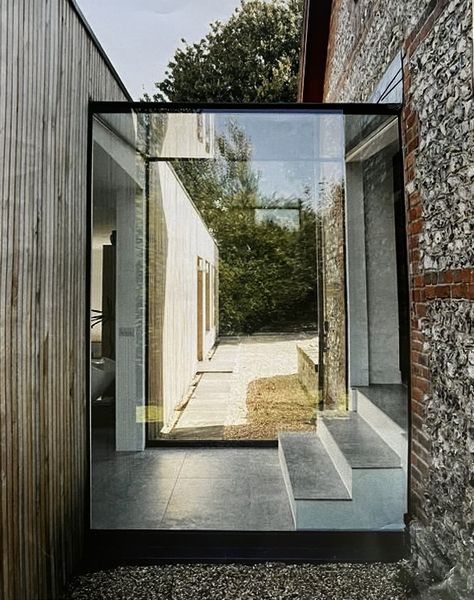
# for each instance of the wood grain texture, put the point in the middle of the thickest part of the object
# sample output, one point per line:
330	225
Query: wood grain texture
49	69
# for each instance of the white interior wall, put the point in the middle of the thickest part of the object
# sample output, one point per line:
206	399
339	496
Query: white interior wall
119	204
373	327
96	290
129	325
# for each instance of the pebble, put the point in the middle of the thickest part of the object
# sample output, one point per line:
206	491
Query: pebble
267	581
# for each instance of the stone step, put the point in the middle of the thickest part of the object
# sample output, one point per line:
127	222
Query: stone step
343	478
357	443
308	471
385	409
312	474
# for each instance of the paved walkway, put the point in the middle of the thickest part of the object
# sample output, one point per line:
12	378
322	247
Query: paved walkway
219	398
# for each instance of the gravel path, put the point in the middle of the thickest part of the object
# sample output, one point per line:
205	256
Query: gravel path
270	581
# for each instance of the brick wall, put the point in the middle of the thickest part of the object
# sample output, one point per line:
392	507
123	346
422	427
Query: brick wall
435	38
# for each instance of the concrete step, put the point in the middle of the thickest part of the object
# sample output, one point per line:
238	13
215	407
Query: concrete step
385	409
308	471
344	478
358	444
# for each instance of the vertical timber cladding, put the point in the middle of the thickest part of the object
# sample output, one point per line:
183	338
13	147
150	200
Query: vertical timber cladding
438	141
49	68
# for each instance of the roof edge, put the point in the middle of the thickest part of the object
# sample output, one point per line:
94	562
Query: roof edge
314	50
99	47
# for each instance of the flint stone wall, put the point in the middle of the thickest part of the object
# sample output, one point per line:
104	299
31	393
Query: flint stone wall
380	27
334	300
436	42
447	542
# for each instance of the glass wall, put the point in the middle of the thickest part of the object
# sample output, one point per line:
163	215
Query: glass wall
245	279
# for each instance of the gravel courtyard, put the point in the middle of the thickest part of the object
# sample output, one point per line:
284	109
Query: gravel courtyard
270	581
218	404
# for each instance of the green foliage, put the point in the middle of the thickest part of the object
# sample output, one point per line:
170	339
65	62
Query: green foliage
267	273
267	280
252	57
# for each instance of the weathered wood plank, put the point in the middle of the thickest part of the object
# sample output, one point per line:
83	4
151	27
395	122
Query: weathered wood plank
49	68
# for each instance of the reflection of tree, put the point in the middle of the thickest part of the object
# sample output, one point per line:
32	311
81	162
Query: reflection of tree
267	273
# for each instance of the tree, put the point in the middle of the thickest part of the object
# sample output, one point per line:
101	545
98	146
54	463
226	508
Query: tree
253	57
267	271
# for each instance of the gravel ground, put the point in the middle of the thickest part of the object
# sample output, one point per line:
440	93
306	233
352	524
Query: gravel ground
275	404
270	581
261	356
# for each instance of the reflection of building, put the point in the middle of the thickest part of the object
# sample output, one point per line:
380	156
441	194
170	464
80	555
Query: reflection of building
419	53
183	259
164	264
287	216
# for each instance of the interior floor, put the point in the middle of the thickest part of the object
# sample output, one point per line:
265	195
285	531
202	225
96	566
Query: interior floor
193	489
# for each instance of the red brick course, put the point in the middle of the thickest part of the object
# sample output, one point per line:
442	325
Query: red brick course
424	287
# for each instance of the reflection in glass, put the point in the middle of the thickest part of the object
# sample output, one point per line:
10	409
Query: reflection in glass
235	292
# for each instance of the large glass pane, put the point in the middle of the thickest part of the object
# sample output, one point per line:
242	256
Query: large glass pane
238	193
246	277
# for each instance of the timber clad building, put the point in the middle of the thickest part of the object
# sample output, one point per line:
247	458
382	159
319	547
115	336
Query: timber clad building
50	68
86	178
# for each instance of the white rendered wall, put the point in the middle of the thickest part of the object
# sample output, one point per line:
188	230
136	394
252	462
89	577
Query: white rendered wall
188	135
183	237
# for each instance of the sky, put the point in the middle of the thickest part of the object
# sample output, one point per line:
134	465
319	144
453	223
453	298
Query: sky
140	36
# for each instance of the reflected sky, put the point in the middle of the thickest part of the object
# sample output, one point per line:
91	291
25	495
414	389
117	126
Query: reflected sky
295	155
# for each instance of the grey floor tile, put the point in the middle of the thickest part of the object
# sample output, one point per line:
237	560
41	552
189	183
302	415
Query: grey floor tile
208	488
269	506
219	504
133	514
161	463
264	462
216	463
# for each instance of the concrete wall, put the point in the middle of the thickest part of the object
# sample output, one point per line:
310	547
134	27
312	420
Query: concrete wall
381	269
435	39
178	237
49	69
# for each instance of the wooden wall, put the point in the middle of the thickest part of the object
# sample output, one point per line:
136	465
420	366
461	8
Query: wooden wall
49	68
